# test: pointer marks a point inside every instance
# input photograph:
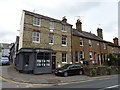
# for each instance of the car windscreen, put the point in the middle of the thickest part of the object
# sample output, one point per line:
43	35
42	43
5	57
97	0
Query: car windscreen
66	66
4	60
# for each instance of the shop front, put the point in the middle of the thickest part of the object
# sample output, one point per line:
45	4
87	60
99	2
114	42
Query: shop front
36	61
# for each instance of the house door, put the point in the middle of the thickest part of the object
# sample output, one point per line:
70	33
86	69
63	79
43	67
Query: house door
53	61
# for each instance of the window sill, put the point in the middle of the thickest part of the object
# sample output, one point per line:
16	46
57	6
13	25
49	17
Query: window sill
64	62
82	45
64	45
36	25
64	31
51	30
36	41
51	44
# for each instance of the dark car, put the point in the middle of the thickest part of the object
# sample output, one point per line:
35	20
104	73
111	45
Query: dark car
4	61
69	69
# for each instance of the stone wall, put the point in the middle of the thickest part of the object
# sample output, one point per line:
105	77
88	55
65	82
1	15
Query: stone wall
97	71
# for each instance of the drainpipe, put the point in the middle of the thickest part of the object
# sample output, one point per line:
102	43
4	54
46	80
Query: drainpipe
71	46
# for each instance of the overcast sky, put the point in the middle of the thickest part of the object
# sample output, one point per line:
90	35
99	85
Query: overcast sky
92	13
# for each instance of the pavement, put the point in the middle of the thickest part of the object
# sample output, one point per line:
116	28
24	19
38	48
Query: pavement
9	73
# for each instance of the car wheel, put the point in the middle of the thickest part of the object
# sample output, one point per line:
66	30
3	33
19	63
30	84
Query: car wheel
65	74
80	72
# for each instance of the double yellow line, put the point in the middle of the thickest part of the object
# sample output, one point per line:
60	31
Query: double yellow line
7	80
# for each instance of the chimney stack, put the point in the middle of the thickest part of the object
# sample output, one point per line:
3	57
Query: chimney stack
64	19
100	33
115	40
79	25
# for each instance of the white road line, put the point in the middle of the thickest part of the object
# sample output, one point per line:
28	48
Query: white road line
113	86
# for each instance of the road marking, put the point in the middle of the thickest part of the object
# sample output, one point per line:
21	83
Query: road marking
113	86
61	83
109	87
4	79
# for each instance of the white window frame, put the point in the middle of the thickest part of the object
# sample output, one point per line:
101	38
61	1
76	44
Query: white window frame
82	55
64	57
81	41
33	33
52	39
91	54
64	40
64	28
51	26
36	20
90	43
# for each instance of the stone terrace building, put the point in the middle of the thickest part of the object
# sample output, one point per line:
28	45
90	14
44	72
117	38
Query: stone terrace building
44	44
87	48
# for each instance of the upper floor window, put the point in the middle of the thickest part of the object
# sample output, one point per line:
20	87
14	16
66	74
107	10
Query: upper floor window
63	28
91	55
64	58
81	55
104	45
81	41
64	41
36	21
112	49
51	26
90	43
76	57
51	38
36	37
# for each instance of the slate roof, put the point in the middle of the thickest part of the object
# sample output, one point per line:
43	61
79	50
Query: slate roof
45	17
91	36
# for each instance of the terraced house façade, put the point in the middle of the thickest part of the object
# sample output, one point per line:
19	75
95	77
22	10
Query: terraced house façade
89	49
46	44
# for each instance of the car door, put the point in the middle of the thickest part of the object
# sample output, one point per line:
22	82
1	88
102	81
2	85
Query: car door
78	69
72	70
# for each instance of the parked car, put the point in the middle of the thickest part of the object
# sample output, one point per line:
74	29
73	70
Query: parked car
4	61
69	69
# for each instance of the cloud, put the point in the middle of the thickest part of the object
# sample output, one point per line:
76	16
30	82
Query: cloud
92	12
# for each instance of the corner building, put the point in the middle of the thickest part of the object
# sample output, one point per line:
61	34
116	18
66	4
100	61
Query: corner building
44	44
